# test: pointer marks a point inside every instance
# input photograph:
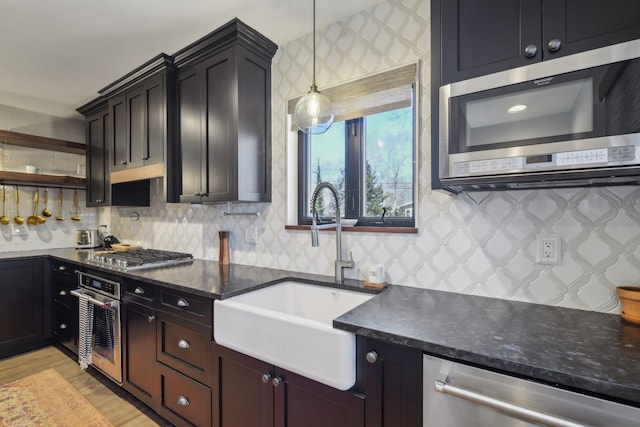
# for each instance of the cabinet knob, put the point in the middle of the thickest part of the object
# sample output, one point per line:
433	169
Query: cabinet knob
530	51
183	344
276	381
123	162
182	303
554	45
145	158
138	291
99	200
62	326
266	378
62	268
62	293
183	401
151	319
372	357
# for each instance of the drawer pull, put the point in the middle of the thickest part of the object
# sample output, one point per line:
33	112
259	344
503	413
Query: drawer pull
62	268
183	401
62	293
182	303
139	291
183	344
62	326
151	319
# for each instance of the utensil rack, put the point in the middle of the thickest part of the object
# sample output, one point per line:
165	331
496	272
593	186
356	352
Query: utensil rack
229	213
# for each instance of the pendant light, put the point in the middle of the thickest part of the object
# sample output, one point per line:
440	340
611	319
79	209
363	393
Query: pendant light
313	111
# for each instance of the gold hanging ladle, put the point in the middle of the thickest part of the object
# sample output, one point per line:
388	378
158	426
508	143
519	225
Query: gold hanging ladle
60	217
4	219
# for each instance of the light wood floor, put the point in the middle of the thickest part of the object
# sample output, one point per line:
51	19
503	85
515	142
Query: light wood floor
104	397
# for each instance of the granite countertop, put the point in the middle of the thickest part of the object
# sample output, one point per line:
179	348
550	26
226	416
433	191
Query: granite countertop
201	277
596	353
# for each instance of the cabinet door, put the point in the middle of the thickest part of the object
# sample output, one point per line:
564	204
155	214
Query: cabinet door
581	25
156	121
240	396
136	127
98	175
485	36
190	119
301	402
22	306
220	122
118	132
139	335
393	385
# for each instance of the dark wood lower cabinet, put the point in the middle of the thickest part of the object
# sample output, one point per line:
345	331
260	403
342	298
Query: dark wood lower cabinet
245	394
139	368
183	401
394	385
22	306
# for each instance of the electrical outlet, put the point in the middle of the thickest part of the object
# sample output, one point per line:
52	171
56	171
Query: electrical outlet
548	249
251	234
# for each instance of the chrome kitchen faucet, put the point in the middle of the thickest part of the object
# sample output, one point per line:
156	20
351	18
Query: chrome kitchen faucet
341	263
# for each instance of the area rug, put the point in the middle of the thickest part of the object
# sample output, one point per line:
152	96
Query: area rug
46	399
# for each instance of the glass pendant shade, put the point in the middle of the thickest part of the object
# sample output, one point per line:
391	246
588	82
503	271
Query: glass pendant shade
313	112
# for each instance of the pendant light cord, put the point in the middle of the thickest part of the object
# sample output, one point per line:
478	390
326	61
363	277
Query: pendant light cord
314	88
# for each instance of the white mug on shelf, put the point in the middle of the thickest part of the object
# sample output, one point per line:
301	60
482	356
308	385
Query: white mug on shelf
376	273
32	169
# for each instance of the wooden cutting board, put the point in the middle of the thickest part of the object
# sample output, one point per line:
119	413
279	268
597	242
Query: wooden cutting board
124	246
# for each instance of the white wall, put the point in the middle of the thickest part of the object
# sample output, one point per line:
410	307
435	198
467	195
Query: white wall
485	249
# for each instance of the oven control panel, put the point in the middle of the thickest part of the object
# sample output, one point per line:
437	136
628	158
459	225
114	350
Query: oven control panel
99	284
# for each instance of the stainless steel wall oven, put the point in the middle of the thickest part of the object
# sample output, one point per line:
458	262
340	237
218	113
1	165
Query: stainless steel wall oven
99	311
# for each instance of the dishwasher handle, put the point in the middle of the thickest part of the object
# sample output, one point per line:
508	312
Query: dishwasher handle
104	304
441	386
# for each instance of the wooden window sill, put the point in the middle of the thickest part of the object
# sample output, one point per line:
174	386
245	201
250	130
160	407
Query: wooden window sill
360	229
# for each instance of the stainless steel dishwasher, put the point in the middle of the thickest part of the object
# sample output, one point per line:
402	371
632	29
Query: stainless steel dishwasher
458	395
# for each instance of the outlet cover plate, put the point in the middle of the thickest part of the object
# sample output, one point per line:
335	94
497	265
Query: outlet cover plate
548	249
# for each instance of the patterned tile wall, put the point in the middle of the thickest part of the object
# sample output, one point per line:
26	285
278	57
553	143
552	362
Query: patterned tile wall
482	249
52	234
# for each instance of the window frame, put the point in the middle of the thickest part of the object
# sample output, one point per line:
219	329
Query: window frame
355	176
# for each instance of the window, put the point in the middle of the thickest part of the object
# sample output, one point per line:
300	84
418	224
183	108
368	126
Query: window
368	154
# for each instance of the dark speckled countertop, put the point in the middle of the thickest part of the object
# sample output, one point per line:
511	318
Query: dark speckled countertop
592	352
597	353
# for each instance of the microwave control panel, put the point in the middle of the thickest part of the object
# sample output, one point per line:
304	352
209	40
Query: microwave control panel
568	158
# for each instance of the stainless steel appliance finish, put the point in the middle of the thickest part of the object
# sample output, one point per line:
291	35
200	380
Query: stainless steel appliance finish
459	395
88	239
138	259
104	296
570	121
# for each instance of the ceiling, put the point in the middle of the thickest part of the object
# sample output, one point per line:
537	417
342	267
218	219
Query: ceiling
57	54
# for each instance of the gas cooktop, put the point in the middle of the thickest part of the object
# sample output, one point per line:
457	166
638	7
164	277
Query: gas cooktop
138	259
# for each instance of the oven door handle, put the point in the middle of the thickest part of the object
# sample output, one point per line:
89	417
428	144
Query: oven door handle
104	304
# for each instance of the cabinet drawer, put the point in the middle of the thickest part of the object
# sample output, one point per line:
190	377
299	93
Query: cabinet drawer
62	293
196	308
63	272
65	328
183	400
185	346
139	291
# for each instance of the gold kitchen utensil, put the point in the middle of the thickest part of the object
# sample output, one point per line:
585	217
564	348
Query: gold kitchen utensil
18	219
60	217
33	219
46	212
76	209
4	219
41	219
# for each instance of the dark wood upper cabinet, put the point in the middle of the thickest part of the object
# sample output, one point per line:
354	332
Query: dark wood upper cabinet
224	116
98	170
480	37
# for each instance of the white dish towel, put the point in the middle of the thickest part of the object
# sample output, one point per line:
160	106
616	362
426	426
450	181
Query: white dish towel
85	332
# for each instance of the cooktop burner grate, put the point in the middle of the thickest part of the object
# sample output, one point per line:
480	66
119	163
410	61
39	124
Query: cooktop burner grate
137	259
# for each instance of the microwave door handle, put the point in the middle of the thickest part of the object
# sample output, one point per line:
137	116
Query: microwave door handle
103	304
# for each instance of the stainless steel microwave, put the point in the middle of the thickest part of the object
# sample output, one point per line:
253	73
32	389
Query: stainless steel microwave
571	121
